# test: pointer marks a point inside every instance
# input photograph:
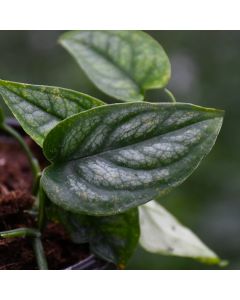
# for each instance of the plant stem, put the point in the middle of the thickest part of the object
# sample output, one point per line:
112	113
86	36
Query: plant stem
41	208
170	95
37	243
33	161
35	187
40	255
20	232
30	232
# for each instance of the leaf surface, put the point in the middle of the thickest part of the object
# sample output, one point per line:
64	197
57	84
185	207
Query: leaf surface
112	158
113	238
123	64
39	108
161	233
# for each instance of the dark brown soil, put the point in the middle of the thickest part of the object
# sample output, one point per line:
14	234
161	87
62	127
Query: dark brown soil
15	201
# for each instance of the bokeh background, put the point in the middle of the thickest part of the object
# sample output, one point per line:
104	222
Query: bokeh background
205	71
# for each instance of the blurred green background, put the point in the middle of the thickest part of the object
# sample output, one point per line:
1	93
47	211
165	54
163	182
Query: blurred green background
205	71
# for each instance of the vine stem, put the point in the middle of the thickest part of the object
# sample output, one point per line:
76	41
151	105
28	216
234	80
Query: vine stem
41	208
39	253
37	243
32	160
37	190
20	232
170	95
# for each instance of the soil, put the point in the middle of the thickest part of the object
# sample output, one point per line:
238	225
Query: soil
15	204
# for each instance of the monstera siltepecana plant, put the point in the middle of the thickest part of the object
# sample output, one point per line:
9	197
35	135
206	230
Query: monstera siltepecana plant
109	164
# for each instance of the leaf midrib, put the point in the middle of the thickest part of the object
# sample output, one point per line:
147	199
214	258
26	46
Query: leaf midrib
36	104
134	144
108	58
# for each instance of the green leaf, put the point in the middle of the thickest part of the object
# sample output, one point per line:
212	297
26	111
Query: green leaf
112	158
123	64
76	225
39	108
161	233
112	238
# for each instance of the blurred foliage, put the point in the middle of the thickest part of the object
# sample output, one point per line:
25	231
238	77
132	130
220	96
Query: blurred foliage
205	71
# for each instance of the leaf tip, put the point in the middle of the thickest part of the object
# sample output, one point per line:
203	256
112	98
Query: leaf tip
223	263
63	37
220	112
214	260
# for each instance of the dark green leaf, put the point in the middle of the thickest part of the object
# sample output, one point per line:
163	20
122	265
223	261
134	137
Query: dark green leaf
112	238
39	108
111	158
77	225
123	64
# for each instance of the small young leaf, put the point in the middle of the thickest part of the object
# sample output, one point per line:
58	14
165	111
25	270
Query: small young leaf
112	158
112	238
123	64
39	108
161	233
